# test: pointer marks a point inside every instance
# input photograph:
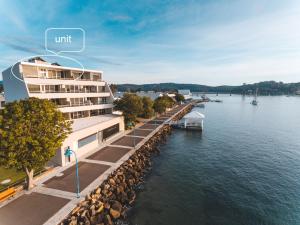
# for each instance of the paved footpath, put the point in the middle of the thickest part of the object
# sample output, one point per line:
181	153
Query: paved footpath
54	197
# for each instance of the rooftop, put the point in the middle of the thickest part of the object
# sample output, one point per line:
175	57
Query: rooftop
42	63
86	122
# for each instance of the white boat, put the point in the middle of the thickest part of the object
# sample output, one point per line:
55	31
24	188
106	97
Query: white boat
191	121
205	98
254	101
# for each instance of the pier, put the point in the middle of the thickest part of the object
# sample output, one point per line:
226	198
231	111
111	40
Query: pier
108	178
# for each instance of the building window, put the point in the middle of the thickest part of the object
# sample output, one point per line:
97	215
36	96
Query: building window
94	112
43	73
96	76
66	116
87	140
77	115
104	101
77	101
33	88
111	131
50	89
93	89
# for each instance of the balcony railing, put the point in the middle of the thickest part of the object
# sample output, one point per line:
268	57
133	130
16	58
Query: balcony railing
66	91
62	78
82	104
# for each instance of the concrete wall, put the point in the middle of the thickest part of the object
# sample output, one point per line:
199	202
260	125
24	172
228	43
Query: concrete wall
14	89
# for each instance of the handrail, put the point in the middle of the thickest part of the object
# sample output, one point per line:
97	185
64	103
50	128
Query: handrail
83	104
43	92
63	78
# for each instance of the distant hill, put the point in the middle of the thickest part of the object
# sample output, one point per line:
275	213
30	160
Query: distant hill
264	88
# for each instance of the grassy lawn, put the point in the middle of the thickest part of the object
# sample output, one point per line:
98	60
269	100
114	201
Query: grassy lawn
12	174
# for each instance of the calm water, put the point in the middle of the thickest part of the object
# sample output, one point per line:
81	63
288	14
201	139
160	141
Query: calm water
243	169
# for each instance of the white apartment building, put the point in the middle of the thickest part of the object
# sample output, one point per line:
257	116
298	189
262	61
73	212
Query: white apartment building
82	96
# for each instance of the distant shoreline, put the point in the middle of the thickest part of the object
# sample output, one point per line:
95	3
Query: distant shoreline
264	88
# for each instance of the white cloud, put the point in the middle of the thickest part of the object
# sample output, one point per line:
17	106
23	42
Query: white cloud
11	12
266	47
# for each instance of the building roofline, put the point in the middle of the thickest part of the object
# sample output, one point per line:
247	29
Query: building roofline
60	67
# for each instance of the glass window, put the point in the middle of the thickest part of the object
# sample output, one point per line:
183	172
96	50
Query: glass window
33	88
89	139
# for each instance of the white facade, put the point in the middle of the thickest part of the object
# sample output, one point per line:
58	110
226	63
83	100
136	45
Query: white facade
82	96
2	100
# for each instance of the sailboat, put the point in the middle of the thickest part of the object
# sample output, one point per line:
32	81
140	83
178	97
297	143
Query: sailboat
254	101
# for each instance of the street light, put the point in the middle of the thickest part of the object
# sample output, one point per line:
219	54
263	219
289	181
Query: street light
68	153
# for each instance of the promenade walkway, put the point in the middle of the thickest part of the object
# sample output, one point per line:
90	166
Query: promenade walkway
54	197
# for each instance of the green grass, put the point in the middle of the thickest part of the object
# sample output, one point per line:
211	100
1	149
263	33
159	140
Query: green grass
13	174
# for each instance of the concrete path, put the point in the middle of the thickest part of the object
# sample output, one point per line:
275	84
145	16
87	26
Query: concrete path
55	195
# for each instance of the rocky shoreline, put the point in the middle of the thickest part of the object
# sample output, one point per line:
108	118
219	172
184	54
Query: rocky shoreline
111	200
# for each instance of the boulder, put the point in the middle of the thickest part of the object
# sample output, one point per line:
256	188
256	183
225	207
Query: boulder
98	191
112	182
116	209
114	213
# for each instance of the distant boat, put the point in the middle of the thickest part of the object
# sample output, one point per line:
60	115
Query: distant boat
205	98
254	101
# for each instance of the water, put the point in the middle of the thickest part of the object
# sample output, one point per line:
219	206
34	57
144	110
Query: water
243	170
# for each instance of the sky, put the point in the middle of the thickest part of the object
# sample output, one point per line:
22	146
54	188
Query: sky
211	42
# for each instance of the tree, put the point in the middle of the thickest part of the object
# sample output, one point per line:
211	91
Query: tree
159	106
131	105
179	97
148	111
162	103
31	131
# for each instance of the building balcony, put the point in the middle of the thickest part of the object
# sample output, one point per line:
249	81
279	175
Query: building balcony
61	78
65	91
51	95
82	104
65	81
66	109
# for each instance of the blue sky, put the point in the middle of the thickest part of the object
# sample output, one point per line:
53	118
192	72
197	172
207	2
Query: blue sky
205	42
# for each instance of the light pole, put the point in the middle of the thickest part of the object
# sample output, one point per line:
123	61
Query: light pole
69	152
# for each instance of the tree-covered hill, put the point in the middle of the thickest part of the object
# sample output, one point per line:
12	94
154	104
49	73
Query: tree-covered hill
264	88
